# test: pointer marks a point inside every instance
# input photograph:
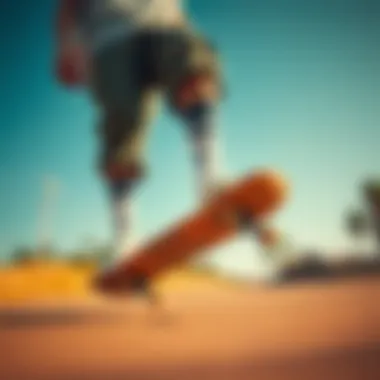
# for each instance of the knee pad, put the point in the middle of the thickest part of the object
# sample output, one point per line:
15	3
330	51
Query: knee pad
199	118
195	88
116	171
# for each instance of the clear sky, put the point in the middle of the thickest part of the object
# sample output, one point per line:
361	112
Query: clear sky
303	96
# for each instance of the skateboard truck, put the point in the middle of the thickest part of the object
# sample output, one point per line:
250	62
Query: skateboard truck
259	230
140	285
244	220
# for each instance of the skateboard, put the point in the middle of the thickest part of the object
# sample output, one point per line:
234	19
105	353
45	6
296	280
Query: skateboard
245	204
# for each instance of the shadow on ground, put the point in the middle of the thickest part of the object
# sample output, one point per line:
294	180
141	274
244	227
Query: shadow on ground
48	317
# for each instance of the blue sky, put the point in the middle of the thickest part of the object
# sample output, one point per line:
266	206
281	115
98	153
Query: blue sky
303	83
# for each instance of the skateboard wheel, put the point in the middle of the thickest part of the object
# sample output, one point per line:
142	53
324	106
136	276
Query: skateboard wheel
269	237
139	283
244	219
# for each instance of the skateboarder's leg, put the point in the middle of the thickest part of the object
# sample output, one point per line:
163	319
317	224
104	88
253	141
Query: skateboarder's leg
201	123
194	89
197	98
126	108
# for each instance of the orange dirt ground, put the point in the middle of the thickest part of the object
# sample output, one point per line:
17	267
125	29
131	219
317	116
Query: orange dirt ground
208	331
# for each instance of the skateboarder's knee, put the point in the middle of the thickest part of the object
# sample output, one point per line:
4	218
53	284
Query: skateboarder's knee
120	171
202	87
122	147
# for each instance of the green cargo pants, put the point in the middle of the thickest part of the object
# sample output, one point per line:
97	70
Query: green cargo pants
127	78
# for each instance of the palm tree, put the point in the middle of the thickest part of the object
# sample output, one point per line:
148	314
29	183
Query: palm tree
357	223
366	220
371	191
22	255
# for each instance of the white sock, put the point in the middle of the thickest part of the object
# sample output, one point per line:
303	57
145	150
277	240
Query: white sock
200	120
123	218
205	158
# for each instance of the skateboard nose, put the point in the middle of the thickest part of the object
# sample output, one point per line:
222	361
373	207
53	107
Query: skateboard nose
270	189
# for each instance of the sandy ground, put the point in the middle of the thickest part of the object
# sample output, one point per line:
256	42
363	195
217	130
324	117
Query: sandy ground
315	331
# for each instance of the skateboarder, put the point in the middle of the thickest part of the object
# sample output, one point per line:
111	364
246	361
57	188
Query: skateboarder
126	52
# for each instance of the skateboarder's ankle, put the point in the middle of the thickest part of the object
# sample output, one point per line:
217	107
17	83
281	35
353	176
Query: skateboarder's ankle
122	187
199	118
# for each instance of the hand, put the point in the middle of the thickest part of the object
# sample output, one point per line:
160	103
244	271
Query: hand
71	66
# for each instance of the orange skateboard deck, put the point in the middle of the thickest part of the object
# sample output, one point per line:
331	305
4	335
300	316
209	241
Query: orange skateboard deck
256	196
